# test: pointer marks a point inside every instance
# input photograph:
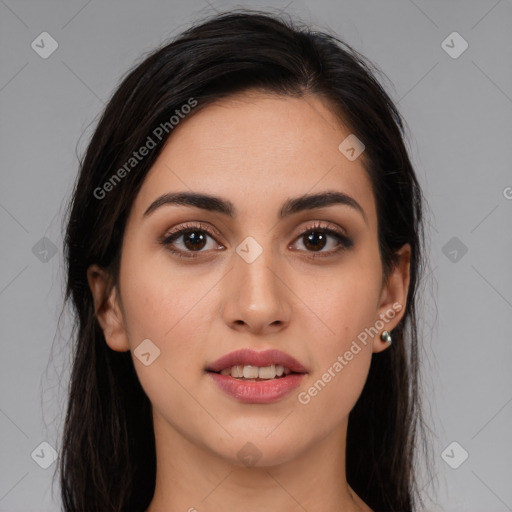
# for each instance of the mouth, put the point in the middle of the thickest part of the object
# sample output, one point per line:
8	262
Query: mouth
257	377
251	364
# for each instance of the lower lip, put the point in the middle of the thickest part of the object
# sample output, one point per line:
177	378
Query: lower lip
257	392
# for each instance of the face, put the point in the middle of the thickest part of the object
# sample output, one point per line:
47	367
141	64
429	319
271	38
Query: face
259	268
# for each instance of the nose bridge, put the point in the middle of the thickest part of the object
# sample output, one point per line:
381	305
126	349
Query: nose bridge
253	262
256	296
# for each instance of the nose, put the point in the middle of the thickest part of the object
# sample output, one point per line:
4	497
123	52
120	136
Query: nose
256	297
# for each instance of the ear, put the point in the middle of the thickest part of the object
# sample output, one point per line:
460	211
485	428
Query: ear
107	308
393	297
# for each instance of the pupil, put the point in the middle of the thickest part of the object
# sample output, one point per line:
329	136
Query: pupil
198	240
313	239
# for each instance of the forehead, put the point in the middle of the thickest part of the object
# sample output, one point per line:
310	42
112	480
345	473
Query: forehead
256	149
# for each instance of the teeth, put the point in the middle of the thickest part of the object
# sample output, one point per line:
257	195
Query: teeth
237	371
267	372
250	372
255	372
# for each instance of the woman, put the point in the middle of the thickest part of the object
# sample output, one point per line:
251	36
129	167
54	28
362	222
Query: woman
244	245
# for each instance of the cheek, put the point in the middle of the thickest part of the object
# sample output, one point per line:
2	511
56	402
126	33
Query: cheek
348	311
172	313
345	301
342	348
159	299
170	310
332	392
342	355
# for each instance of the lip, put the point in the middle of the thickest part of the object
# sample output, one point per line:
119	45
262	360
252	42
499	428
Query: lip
257	392
254	358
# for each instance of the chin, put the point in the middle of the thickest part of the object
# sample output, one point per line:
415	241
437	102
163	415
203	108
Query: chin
257	451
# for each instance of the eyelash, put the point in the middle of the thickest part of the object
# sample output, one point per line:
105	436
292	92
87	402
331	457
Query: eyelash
343	241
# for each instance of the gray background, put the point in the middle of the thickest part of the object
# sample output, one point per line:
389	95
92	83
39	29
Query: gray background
459	111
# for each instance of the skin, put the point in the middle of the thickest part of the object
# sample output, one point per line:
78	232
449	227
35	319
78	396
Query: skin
256	150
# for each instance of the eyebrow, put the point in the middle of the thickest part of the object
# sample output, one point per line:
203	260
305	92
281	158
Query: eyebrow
226	207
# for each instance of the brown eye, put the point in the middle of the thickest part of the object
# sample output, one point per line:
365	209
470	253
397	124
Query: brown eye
194	240
315	241
318	238
189	241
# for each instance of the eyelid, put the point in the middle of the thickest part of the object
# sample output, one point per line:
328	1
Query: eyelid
322	225
197	225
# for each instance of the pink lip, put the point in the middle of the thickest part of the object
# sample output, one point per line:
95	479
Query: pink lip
251	357
257	392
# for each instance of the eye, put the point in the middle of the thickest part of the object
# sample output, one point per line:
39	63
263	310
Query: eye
189	239
318	237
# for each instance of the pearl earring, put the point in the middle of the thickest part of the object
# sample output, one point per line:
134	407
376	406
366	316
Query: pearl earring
385	336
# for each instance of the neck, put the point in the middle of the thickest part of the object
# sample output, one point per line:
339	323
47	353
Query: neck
192	478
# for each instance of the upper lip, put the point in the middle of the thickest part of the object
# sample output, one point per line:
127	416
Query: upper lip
254	358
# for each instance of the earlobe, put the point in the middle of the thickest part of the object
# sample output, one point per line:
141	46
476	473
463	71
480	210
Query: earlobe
393	298
106	308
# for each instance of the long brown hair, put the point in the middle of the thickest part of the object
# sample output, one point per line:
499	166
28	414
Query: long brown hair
107	462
